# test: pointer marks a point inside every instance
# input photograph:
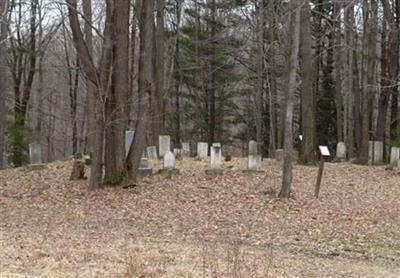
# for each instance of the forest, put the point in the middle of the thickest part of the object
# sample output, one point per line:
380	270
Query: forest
269	80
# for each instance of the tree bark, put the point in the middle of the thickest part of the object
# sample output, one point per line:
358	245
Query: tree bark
3	79
259	99
146	87
338	70
307	91
288	138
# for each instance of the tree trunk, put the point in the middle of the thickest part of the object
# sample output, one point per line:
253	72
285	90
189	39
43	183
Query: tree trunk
338	70
3	80
146	87
307	91
288	138
90	86
259	100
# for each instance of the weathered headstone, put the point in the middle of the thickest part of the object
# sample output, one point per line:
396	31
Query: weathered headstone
164	144
254	163
169	161
375	152
394	156
217	144
216	158
202	150
35	154
129	135
152	153
254	158
144	169
185	148
341	151
177	151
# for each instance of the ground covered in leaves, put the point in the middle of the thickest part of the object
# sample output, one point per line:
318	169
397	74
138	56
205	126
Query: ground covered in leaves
197	225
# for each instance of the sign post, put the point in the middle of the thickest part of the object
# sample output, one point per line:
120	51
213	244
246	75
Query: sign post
324	153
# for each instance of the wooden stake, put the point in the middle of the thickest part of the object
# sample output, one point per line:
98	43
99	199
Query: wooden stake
320	171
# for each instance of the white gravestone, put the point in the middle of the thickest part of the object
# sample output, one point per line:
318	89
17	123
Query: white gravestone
216	144
169	161
254	159
375	152
185	148
202	150
152	153
216	158
341	151
144	169
164	144
129	135
35	154
394	156
177	151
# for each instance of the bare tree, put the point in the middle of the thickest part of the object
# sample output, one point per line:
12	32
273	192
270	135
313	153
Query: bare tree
287	175
3	79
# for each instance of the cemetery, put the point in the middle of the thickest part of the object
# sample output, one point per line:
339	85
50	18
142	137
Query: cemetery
182	205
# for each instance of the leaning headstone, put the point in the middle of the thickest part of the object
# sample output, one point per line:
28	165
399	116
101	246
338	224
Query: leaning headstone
202	150
129	135
35	156
394	156
341	152
169	161
375	152
185	149
152	153
164	144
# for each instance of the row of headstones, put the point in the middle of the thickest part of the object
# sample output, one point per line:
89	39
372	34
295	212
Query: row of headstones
375	153
253	162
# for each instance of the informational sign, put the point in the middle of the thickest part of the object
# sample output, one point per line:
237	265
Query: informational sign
324	151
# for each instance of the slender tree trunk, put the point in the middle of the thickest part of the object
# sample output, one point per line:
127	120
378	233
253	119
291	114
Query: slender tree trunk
146	86
307	92
259	100
157	99
3	79
177	75
338	70
90	86
288	138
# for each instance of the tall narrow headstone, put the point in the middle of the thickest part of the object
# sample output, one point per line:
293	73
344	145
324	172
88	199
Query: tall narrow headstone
169	161
185	148
375	152
394	156
254	159
152	153
202	150
164	144
129	135
144	169
341	151
35	154
216	158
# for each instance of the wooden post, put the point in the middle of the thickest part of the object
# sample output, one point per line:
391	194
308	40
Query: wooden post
320	172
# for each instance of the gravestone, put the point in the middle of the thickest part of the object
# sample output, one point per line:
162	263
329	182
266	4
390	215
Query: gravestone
217	144
216	158
394	156
375	152
144	169
185	148
169	161
164	144
254	162
177	151
254	158
341	151
202	150
152	153
35	154
129	135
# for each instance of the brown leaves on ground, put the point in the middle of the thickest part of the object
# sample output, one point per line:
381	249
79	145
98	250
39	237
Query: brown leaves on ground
198	225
